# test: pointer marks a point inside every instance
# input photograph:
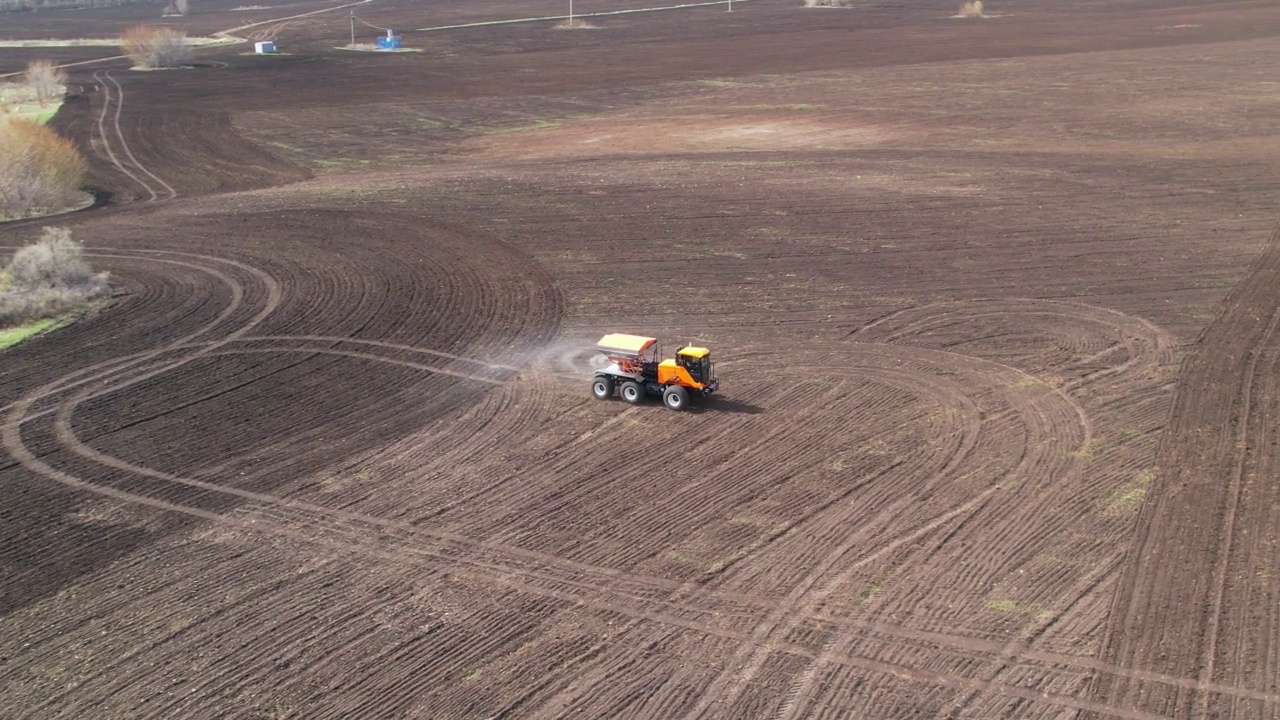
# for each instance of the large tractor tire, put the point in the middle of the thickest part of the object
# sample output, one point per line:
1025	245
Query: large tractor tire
631	392
602	387
675	397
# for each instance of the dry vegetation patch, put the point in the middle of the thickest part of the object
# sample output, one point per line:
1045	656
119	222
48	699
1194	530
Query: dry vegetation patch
47	278
40	171
156	48
971	9
46	80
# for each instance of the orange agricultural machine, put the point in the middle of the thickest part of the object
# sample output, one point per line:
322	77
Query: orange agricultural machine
636	370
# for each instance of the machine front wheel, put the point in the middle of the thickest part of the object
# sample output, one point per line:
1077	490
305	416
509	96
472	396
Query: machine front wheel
675	397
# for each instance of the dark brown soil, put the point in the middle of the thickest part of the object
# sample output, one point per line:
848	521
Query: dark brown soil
992	303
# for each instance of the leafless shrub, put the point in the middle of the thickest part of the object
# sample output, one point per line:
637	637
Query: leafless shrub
153	48
47	278
826	3
176	8
23	306
56	260
46	79
971	9
39	170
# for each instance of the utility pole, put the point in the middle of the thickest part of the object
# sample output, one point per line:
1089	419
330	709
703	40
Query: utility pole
570	13
353	27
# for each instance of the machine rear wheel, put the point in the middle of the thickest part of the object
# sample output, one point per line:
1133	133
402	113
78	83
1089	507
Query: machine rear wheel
675	397
632	392
602	387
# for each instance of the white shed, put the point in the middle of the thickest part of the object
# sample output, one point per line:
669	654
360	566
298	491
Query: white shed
264	47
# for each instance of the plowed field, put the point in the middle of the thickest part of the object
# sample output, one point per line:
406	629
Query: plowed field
993	304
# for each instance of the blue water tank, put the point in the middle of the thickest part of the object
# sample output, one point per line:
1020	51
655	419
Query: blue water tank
389	42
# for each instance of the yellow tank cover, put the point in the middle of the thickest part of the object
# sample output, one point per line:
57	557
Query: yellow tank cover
624	344
693	352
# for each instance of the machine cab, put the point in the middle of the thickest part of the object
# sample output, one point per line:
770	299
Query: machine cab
697	361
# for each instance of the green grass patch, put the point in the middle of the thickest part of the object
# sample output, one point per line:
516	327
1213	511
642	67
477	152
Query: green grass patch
430	123
1126	499
786	106
284	146
1013	607
32	111
753	520
536	125
41	115
334	163
1004	605
15	335
711	82
20	333
19	101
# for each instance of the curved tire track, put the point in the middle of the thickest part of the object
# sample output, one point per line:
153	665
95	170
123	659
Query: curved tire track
110	134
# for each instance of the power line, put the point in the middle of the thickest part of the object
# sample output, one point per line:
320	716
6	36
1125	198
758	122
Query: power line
364	22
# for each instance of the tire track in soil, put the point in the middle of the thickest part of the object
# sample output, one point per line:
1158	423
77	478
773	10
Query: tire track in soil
561	595
117	373
235	291
803	601
891	376
321	338
1145	348
828	519
66	437
1218	426
17	416
273	32
113	104
103	371
1157	348
229	33
1231	514
67	408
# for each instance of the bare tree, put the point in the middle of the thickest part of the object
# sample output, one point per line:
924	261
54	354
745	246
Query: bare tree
46	79
154	47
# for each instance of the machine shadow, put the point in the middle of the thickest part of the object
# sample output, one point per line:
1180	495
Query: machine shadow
724	405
